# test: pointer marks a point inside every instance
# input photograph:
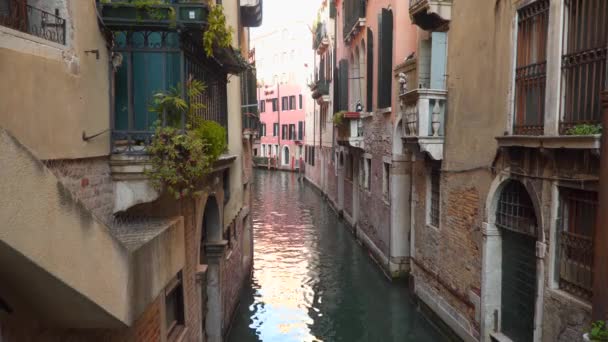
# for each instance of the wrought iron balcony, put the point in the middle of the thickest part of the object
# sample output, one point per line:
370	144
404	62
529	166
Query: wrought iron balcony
423	115
354	18
320	42
25	18
172	14
431	15
320	89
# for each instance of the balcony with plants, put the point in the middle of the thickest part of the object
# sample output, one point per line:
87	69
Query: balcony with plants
320	86
431	15
353	18
320	40
423	96
349	129
170	110
47	24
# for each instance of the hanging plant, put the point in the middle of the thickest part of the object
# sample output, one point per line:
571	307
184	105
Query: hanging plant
338	118
180	158
218	34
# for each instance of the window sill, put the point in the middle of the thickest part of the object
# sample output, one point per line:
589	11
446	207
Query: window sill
178	334
386	110
563	295
433	227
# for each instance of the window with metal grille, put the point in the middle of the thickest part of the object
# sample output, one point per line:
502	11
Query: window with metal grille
583	61
531	68
578	209
174	308
435	183
515	211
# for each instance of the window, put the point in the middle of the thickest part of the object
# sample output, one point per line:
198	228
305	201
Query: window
263	147
275	129
385	58
531	71
284	132
292	102
226	185
300	96
284	103
174	308
262	106
578	210
275	104
292	132
300	130
367	173
263	130
370	69
434	193
386	175
584	61
255	152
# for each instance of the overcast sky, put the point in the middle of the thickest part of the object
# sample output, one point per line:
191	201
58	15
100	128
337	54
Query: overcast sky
279	12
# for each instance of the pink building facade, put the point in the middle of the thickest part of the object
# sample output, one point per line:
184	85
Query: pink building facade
282	124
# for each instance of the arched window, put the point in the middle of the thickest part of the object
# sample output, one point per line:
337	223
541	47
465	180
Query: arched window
385	58
363	75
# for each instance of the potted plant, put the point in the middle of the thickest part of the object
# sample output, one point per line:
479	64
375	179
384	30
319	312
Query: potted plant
598	332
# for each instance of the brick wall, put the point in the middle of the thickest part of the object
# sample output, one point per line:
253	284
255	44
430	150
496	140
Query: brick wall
89	180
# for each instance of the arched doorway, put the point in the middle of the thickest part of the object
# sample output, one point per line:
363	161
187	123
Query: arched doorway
211	253
285	155
518	226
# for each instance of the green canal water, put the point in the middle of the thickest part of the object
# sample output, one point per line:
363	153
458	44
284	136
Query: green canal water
312	281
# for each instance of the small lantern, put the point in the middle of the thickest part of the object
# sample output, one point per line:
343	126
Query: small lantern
359	107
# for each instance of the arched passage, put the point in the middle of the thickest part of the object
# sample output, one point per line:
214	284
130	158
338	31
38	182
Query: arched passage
512	267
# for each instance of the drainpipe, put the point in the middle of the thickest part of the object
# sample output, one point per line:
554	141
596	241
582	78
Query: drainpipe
600	262
279	104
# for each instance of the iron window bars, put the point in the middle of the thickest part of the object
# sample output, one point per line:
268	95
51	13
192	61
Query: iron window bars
531	68
16	14
583	61
515	211
578	211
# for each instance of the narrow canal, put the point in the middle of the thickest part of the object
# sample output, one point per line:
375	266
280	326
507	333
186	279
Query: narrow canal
312	281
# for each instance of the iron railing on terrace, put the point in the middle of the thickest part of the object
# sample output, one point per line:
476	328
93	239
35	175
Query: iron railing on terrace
353	11
153	62
584	61
16	14
531	69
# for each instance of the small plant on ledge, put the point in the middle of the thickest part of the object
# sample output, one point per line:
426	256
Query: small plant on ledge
218	34
585	129
338	118
598	332
180	158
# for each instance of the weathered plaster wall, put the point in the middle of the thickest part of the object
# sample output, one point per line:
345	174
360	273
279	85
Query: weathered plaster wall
48	88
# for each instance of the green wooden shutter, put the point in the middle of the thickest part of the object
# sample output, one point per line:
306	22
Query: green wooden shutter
336	84
370	70
385	57
343	85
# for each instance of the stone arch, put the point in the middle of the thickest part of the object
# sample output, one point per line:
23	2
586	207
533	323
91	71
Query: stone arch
286	157
212	223
498	243
397	135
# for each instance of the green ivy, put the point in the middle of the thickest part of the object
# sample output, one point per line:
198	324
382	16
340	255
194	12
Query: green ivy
218	34
585	129
338	118
599	331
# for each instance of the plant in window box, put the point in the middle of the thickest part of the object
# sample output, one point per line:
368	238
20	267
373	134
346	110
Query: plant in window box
598	332
338	118
585	129
141	10
180	158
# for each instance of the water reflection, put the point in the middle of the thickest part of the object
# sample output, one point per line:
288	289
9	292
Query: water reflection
312	281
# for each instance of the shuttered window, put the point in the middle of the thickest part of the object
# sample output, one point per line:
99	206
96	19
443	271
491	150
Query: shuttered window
370	69
343	88
385	57
300	130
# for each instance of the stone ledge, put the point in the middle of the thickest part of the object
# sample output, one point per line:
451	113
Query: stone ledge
551	142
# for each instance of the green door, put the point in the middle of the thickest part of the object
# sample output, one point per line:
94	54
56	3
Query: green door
518	285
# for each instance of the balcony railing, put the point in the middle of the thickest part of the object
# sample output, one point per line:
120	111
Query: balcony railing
354	16
320	40
34	21
319	89
170	14
431	15
423	115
